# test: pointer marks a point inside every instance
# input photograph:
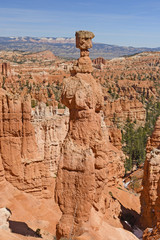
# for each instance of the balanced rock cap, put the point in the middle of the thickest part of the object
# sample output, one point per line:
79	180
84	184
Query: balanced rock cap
84	40
84	34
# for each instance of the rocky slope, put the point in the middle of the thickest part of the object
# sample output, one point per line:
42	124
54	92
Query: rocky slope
28	213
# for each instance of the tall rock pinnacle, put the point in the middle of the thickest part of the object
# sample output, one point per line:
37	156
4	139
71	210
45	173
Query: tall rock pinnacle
151	178
83	168
83	42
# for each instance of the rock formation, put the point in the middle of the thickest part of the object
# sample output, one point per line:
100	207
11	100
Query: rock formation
18	146
29	151
88	161
50	130
99	61
124	108
154	232
4	216
5	69
115	137
1	170
150	194
83	42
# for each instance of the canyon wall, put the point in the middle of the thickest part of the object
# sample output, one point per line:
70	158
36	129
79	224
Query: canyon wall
29	150
123	108
50	128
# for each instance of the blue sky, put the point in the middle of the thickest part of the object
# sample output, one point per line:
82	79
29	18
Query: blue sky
120	22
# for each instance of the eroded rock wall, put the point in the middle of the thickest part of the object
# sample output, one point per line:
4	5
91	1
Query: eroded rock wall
29	150
123	108
50	131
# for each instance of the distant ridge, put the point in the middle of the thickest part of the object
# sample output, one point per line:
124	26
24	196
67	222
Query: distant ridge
65	47
37	40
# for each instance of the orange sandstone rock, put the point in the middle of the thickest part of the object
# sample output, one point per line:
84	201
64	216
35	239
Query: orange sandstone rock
115	137
150	193
5	69
86	165
150	197
124	108
29	156
84	40
99	61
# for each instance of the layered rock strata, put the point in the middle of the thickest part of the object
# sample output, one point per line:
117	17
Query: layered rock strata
88	161
50	128
19	154
123	108
150	194
29	151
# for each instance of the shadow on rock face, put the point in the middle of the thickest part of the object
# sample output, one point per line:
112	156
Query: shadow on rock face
22	228
130	219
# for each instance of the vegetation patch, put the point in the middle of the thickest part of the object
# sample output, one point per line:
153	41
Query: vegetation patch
134	140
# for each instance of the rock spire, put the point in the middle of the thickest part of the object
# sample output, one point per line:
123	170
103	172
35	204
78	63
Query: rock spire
83	168
150	194
83	42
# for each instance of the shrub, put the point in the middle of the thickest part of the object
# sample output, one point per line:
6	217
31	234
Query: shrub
33	103
134	140
38	232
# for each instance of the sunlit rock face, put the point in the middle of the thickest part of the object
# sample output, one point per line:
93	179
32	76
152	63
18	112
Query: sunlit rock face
88	161
29	145
150	194
4	217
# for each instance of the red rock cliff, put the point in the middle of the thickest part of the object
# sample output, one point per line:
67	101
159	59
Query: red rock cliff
29	151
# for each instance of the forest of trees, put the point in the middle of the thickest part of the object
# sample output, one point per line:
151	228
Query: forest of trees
134	139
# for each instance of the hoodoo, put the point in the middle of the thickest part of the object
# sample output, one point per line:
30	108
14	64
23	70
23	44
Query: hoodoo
150	197
151	177
86	164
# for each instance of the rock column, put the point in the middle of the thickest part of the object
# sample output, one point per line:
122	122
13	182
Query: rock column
82	172
151	178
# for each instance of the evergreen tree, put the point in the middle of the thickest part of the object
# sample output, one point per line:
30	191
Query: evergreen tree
134	140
